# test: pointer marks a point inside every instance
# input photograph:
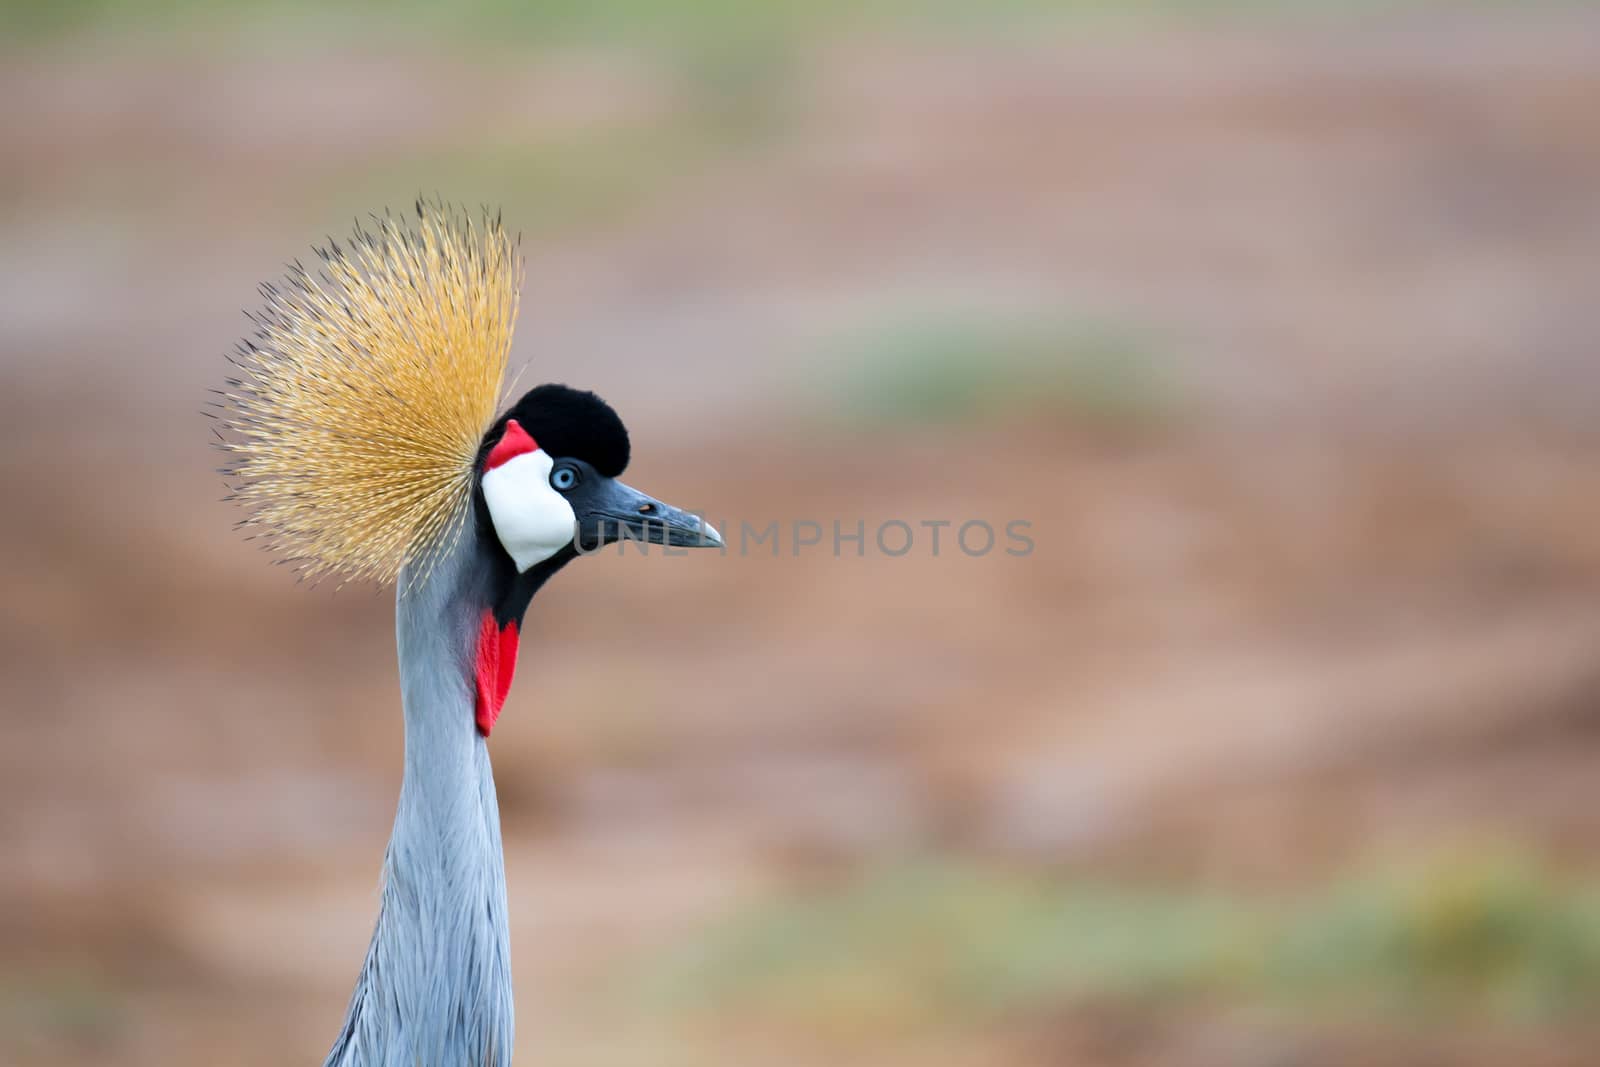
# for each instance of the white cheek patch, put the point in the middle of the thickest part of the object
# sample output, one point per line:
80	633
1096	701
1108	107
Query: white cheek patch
532	520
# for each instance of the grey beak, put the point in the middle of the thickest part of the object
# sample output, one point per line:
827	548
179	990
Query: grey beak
625	513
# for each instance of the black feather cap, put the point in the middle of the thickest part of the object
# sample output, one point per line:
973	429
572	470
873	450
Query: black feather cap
567	423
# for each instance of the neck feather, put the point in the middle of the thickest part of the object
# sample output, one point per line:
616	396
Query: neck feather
436	986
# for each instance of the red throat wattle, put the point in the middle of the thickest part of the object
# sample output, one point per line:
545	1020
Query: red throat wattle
497	662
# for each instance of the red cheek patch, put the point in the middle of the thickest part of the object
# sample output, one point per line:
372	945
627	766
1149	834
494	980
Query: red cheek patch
513	442
497	662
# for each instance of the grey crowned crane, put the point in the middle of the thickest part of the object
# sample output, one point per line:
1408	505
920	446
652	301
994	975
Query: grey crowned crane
362	438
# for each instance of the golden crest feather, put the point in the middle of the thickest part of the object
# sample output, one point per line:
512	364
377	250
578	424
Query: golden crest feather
359	403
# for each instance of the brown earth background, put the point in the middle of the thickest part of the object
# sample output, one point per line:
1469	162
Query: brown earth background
1276	322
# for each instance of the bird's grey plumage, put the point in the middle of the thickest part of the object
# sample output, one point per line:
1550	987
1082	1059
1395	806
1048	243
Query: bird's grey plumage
435	990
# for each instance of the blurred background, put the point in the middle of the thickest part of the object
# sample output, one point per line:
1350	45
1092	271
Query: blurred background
1275	319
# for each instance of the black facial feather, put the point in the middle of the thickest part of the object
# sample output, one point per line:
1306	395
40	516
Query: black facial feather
567	423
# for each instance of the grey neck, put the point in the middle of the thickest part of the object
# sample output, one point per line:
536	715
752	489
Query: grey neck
436	986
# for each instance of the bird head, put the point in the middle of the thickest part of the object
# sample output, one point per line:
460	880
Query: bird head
361	421
549	484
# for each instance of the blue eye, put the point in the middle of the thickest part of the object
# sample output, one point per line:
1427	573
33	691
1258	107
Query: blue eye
563	478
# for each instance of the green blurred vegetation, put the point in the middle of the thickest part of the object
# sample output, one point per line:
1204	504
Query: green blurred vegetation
666	21
547	185
734	96
920	944
57	1010
945	369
